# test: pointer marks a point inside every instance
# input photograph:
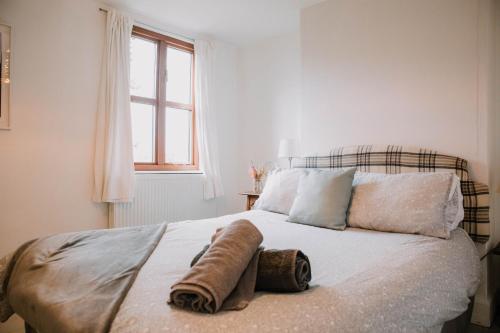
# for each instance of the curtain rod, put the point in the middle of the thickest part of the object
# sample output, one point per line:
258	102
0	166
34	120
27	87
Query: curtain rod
188	39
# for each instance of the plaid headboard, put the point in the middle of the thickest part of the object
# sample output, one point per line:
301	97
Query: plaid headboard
399	159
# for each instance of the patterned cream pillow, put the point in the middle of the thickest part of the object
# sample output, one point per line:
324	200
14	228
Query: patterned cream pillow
411	203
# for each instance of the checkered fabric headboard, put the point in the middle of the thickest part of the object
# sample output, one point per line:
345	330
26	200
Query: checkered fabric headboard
399	159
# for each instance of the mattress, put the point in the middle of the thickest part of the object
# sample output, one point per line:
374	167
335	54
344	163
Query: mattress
362	281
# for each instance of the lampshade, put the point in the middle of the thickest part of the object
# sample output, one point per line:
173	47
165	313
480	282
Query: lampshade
288	148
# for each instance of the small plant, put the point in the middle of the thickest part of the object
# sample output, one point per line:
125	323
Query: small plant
257	173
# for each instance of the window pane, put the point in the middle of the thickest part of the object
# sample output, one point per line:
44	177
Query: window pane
178	136
179	75
142	67
143	132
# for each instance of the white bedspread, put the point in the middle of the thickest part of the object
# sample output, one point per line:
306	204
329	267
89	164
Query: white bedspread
363	281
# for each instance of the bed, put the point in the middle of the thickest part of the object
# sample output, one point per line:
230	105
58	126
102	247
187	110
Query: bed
363	280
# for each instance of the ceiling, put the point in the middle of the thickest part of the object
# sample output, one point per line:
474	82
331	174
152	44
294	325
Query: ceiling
241	22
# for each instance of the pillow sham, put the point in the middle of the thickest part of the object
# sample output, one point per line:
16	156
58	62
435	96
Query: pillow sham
413	203
323	198
279	191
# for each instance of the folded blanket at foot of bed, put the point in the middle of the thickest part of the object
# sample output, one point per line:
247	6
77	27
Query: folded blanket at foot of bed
75	282
278	270
225	277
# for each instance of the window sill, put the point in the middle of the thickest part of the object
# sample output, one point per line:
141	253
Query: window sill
180	172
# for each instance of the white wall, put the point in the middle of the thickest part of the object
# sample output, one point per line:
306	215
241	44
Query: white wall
270	99
46	159
398	72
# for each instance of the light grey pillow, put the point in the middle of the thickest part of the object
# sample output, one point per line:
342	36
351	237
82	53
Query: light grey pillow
322	199
411	203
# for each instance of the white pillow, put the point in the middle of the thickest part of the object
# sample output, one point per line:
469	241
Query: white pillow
418	203
280	190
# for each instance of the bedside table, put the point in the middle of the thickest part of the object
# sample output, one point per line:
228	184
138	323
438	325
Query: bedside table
251	198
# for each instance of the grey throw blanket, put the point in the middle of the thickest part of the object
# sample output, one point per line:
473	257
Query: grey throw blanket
225	277
75	282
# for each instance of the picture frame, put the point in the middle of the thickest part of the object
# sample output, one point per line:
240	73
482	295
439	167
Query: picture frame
5	78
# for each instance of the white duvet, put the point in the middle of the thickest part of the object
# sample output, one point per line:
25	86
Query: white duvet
362	281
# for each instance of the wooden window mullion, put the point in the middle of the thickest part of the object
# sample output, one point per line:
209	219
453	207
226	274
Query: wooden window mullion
181	106
143	100
162	65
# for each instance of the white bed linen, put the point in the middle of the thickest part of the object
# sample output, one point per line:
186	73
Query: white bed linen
362	281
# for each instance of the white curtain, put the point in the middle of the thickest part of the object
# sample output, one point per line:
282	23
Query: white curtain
206	126
114	161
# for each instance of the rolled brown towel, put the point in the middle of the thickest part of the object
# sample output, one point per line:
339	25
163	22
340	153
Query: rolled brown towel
199	255
278	270
225	276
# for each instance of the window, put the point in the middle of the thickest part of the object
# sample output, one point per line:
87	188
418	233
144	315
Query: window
162	102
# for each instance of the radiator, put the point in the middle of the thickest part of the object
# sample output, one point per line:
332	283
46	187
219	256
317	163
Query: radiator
163	198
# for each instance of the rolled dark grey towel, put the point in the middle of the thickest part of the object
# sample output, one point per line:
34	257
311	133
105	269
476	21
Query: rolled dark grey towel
278	270
225	276
283	271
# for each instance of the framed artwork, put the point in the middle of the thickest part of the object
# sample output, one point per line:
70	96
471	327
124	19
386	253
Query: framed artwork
5	59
